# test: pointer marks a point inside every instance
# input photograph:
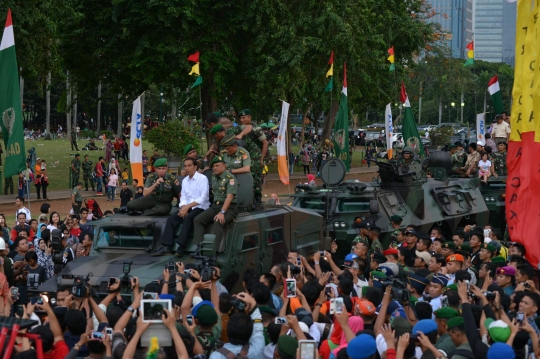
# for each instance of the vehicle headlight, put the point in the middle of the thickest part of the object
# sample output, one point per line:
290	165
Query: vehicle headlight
343	224
487	199
493	199
336	224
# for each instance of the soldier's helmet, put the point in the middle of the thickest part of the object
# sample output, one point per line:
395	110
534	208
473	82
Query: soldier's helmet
407	149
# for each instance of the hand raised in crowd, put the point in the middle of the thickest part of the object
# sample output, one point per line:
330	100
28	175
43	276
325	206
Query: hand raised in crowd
389	336
248	299
180	266
141	326
462	292
216	274
115	287
323	280
403	342
195	275
166	275
169	320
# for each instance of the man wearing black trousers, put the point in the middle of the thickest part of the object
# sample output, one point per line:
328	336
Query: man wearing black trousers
193	201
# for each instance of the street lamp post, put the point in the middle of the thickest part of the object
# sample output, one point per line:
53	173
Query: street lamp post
453	104
462	106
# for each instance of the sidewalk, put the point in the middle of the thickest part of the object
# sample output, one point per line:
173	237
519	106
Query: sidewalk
272	177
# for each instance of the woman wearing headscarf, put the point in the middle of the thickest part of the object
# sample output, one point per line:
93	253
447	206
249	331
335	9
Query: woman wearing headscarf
108	151
355	325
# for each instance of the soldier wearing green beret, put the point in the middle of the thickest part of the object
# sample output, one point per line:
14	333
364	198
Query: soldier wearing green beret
75	170
236	158
448	248
486	253
217	132
160	189
190	151
223	210
444	343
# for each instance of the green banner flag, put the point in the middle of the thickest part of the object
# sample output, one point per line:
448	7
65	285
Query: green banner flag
197	82
411	137
341	127
330	85
10	104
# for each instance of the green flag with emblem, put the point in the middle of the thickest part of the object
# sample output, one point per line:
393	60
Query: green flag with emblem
341	127
410	131
10	104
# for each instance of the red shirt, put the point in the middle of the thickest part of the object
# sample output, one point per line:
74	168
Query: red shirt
76	232
117	145
59	351
99	169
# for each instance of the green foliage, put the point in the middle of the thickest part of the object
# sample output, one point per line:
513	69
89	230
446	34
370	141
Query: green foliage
440	136
170	138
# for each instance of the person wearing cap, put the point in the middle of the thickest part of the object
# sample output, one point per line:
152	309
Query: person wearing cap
223	210
448	248
506	279
499	160
456	329
500	130
363	231
422	260
410	245
75	169
476	242
396	235
217	131
193	202
486	253
376	246
407	157
454	263
416	284
237	158
160	189
376	260
444	343
471	164
190	151
438	282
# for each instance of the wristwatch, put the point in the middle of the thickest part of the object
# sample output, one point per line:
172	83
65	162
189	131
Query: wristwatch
131	309
222	212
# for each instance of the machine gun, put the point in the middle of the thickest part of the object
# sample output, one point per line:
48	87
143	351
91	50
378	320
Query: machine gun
392	171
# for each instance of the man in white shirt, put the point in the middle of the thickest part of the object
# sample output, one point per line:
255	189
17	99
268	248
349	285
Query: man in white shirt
193	201
501	130
19	203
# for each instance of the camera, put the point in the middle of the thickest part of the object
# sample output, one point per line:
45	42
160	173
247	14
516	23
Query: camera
526	285
489	295
125	281
238	304
56	240
206	267
171	267
399	289
80	286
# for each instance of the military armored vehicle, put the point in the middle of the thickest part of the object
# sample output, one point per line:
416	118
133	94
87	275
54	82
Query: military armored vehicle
400	190
256	240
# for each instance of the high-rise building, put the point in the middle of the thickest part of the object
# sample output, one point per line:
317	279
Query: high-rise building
491	23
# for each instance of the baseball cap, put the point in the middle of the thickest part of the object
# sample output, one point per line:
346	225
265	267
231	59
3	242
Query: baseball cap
455	258
360	225
349	261
424	255
365	307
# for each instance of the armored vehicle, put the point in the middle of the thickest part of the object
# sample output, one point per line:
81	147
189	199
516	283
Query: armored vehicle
404	191
256	240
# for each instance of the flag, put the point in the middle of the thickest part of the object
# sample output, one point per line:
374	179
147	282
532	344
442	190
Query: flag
496	96
283	168
388	129
341	127
470	54
410	131
194	57
481	128
135	142
195	70
331	61
330	85
391	59
330	72
197	82
523	180
10	104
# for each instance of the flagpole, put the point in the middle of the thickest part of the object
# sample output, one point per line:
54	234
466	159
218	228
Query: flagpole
200	103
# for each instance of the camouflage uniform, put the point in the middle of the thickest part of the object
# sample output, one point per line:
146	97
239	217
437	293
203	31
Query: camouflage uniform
208	342
394	236
404	272
75	163
87	174
159	202
403	162
376	247
253	144
9	184
499	161
359	239
458	159
73	138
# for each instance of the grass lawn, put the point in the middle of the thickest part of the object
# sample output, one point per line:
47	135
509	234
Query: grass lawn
58	155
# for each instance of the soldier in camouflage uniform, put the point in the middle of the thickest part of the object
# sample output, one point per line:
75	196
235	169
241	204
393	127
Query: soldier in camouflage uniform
407	157
376	246
218	133
73	138
363	232
8	185
458	157
258	138
499	160
237	158
396	233
87	173
75	170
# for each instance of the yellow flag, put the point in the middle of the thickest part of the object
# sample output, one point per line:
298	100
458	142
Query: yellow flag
195	70
524	11
391	58
331	71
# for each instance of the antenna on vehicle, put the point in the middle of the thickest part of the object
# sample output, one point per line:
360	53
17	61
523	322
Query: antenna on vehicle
332	174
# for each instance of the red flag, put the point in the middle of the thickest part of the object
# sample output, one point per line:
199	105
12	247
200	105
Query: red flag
403	95
470	45
194	57
391	51
331	61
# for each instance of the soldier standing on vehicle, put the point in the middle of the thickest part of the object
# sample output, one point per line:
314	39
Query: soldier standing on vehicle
218	133
73	138
160	189
376	246
363	231
407	157
223	210
500	130
499	160
75	170
237	158
87	173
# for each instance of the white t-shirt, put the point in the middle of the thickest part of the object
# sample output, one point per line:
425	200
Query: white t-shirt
113	180
484	166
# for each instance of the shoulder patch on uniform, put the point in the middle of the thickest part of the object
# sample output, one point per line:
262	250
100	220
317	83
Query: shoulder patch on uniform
231	182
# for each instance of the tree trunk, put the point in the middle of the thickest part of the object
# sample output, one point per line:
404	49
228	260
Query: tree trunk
68	105
48	108
98	123
75	111
173	104
119	122
329	123
440	109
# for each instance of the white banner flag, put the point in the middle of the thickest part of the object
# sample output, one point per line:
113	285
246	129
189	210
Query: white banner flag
388	129
283	168
481	128
135	142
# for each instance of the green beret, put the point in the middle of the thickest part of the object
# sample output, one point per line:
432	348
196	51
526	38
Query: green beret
454	322
77	155
446	313
188	148
217	113
245	112
464	247
160	162
376	274
498	259
229	140
396	218
451	147
490	247
267	309
217	128
217	159
451	286
449	244
207	315
287	346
